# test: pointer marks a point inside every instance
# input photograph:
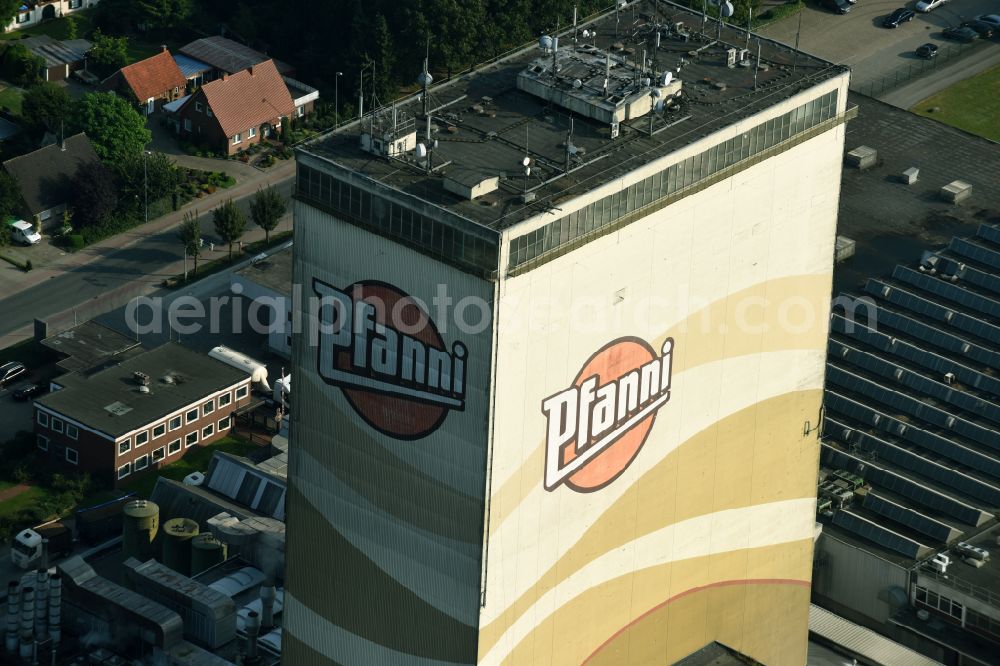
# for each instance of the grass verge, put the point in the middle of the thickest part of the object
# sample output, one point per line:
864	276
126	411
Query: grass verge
195	460
11	99
970	105
218	265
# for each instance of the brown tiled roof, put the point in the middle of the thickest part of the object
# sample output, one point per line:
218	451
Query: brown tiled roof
248	98
153	76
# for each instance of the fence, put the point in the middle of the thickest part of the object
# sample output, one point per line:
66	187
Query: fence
910	71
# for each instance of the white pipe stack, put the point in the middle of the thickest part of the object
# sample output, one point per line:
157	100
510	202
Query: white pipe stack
27	621
55	610
41	602
253	629
13	610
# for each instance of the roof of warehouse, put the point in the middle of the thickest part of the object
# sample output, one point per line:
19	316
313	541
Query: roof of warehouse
913	381
273	272
863	642
109	400
484	121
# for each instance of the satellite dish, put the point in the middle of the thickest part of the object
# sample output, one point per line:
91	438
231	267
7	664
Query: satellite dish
658	107
425	79
545	43
655	92
421	151
726	9
527	171
435	144
622	3
586	33
646	82
526	161
577	83
666	78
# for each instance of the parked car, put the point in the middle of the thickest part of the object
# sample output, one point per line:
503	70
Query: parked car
11	371
992	19
927	50
961	34
901	15
837	6
29	391
928	5
985	30
23	232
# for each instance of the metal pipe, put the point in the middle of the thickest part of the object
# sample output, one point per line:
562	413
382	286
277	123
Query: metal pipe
27	621
253	630
41	602
55	610
13	609
45	552
267	595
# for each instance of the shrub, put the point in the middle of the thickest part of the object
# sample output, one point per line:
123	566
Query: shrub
76	241
27	266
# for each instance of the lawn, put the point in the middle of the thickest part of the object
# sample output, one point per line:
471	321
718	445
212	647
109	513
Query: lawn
30	497
195	460
11	98
56	28
970	105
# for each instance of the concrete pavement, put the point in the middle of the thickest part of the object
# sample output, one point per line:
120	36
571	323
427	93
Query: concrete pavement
907	96
140	258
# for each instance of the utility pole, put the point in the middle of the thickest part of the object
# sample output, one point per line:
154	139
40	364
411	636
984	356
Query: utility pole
336	98
145	181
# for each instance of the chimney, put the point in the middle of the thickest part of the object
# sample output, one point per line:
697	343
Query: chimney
41	602
164	47
55	610
253	629
267	594
27	621
250	69
45	554
13	608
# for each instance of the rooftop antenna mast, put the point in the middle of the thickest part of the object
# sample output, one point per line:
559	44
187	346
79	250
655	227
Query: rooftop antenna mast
704	16
569	143
574	24
361	94
749	25
425	79
756	67
798	32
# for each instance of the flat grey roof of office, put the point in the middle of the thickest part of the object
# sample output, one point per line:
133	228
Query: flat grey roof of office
274	272
483	121
88	345
110	401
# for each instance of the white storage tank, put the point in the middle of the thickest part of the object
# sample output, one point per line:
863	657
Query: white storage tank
256	369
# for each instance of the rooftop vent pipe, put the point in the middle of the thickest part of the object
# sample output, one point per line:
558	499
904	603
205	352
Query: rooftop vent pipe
13	608
253	629
27	621
41	602
55	610
267	594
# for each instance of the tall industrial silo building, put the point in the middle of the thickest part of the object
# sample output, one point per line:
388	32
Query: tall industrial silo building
562	327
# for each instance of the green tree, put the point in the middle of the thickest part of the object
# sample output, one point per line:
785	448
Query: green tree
116	129
163	13
71	27
230	223
10	196
95	194
8	10
266	210
117	16
108	54
20	66
154	175
45	107
190	236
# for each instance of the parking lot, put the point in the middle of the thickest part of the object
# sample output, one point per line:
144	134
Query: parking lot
858	39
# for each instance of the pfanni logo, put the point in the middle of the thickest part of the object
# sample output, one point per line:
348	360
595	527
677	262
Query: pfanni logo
598	424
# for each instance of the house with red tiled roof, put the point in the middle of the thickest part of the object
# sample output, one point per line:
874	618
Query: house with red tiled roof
151	82
236	111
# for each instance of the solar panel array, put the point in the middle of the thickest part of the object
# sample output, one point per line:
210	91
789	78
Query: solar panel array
913	397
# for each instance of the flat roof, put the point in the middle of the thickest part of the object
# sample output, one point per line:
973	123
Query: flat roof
483	121
912	401
273	272
110	401
88	345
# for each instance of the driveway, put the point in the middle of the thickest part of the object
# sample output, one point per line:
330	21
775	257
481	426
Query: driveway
858	39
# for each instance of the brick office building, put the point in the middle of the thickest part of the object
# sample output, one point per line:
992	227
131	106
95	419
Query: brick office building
139	415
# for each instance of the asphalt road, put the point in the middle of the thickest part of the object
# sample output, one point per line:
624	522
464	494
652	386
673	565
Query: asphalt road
149	260
908	95
858	39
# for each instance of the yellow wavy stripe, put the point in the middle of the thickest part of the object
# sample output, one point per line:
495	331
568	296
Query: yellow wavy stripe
768	622
710	334
755	456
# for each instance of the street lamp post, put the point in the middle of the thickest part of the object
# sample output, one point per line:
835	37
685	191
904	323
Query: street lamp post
336	98
145	182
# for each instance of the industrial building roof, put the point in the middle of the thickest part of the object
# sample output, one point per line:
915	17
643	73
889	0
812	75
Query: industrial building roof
88	345
487	121
273	272
912	384
56	52
862	642
111	400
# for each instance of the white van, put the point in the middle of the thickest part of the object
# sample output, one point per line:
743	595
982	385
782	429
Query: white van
24	232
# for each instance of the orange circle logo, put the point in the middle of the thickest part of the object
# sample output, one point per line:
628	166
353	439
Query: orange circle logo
598	424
